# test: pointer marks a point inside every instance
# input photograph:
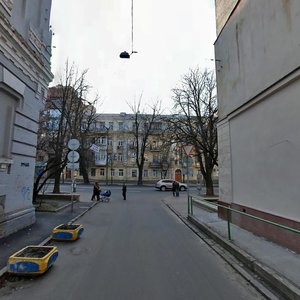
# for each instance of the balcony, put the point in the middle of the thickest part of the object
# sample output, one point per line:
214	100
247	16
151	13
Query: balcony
100	162
155	164
154	148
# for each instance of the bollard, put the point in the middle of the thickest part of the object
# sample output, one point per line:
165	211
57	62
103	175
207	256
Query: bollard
228	223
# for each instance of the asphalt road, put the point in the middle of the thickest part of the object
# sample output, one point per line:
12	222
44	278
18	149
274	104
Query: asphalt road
134	249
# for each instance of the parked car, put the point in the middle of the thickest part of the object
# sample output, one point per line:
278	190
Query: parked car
167	184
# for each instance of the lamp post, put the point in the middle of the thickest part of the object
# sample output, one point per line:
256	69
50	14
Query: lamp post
107	156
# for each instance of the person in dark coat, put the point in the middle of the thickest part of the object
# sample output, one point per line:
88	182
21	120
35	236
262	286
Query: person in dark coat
124	190
177	189
96	191
174	188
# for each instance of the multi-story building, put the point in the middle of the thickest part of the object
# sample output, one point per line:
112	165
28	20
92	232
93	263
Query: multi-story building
115	160
258	81
25	51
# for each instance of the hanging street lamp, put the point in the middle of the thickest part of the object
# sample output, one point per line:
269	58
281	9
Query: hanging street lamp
125	54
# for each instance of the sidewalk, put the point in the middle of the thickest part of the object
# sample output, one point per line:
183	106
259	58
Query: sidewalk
278	266
39	232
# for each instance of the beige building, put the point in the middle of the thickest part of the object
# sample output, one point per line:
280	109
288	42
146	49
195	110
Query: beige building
258	81
114	159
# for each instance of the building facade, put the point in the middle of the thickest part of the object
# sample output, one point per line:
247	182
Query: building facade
25	51
114	160
258	75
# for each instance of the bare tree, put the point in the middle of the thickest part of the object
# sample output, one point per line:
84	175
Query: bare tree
67	115
195	119
143	128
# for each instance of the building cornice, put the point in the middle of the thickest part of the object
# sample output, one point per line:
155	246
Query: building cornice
16	49
7	5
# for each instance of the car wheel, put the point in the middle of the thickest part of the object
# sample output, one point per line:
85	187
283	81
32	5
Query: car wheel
163	188
182	188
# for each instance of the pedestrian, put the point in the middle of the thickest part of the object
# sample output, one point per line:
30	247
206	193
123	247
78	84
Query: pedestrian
177	189
124	190
174	188
96	191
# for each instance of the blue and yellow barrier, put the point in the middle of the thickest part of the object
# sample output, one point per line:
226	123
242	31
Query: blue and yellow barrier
32	260
67	232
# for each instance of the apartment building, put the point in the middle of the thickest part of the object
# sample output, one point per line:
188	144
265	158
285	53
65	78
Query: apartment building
258	82
115	157
25	51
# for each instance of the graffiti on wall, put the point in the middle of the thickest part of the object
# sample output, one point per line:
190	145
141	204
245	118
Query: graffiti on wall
23	188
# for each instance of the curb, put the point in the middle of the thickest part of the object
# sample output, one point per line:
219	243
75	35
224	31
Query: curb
280	284
228	257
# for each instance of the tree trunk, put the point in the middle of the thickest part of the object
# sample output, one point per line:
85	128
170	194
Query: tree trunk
35	192
85	176
56	188
140	175
83	169
209	185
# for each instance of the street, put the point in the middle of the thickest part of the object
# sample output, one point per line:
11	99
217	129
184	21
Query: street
134	249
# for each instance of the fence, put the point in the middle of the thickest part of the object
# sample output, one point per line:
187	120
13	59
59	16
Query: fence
231	210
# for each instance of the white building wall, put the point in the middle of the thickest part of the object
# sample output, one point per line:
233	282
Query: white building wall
265	143
258	91
224	158
24	78
258	46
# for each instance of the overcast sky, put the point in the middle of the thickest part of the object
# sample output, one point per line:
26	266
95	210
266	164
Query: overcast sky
170	36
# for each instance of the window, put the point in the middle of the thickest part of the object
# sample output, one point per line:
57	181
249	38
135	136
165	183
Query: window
103	140
156	126
133	126
134	173
110	141
121	125
100	155
7	115
111	125
121	172
120	157
145	173
133	156
155	159
120	143
112	172
102	126
101	172
93	172
154	145
103	155
155	173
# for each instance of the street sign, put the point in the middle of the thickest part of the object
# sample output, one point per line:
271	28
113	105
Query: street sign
73	156
188	149
71	165
95	148
73	144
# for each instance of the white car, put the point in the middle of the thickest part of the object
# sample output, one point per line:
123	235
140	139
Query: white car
167	184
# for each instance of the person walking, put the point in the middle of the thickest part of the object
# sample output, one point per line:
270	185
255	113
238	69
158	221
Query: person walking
174	188
124	190
96	191
177	189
